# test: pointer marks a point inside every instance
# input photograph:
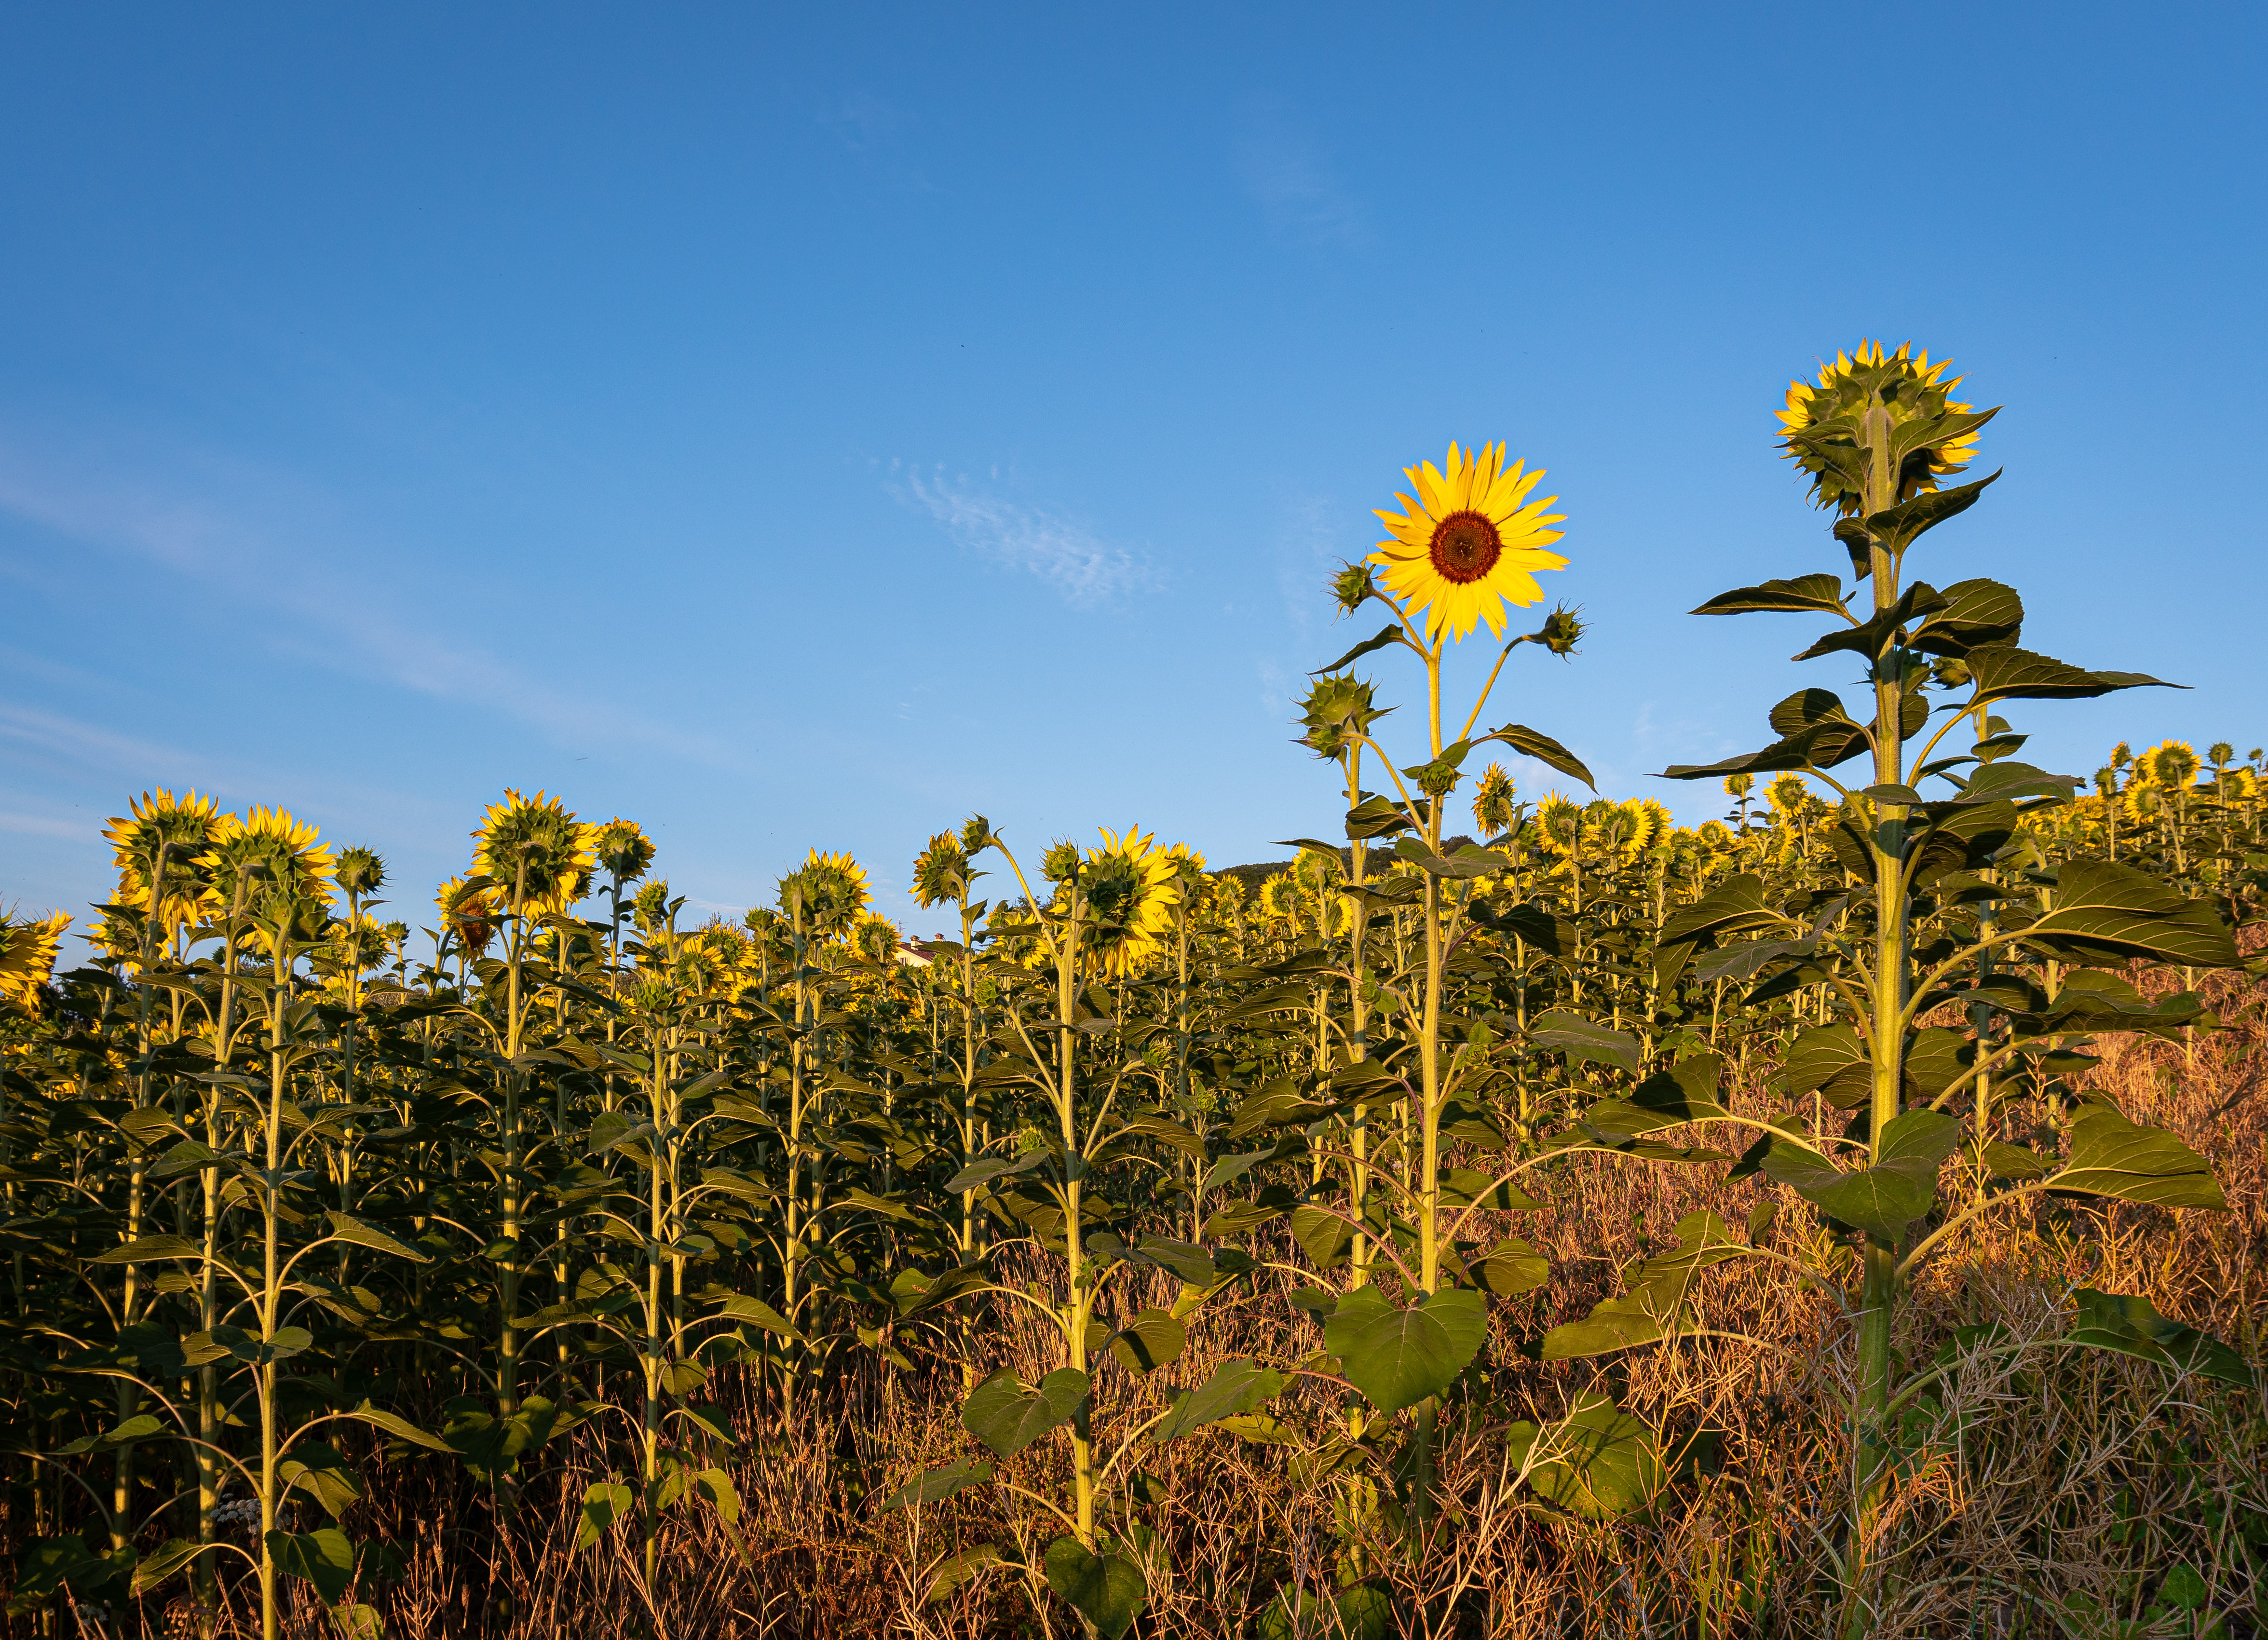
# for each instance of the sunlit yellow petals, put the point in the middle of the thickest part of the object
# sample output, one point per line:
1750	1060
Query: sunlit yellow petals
1468	542
27	955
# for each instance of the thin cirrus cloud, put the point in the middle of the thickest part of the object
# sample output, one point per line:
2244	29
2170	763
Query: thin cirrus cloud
1078	563
329	624
1283	169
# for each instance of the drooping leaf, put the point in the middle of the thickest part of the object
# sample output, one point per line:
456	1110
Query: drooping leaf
1645	1315
1324	1236
2005	673
1896	528
956	1570
1585	1039
1107	1590
324	1557
1685	1093
166	1562
1152	1340
1509	1268
604	1503
1390	633
1007	1416
1397	1357
1821	592
1883	1199
1733	907
2114	910
1236	1386
2132	1326
1598	1462
1541	746
1976	611
2113	1157
934	1486
357	1233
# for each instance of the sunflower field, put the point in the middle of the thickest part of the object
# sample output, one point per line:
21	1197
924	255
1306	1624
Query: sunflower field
1503	1216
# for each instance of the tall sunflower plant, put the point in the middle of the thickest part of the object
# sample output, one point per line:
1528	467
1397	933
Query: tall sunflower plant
1467	544
1069	1182
2020	968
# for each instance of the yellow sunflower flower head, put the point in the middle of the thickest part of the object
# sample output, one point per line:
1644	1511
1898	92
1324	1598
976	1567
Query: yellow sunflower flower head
1280	896
2143	803
1189	867
1716	836
876	938
832	890
175	832
1559	824
650	907
1468	543
621	849
1494	800
1821	427
266	851
538	836
1788	794
2170	764
469	913
940	870
181	826
1130	886
27	955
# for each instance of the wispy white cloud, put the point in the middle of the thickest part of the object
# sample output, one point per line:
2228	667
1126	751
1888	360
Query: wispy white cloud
255	553
1078	563
1284	170
40	826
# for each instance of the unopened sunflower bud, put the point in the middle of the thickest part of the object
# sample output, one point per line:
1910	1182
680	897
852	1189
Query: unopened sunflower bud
1351	585
1562	631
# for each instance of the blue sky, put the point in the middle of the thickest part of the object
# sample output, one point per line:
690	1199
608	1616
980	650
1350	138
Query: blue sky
792	426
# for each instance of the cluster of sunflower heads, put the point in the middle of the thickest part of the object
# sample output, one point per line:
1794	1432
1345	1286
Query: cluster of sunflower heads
1870	402
1337	708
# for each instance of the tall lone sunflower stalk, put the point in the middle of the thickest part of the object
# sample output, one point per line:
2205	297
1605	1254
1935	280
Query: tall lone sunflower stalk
1467	543
1878	436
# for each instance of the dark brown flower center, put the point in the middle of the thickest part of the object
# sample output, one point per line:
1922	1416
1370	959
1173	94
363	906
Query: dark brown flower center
1466	546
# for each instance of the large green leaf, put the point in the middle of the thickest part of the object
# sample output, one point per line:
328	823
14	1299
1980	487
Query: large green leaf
1391	633
1832	1060
1361	1612
1820	593
1685	1093
1541	746
1007	1416
1236	1387
1598	1460
1107	1590
934	1486
1397	1357
604	1503
1896	528
1871	636
1733	907
1645	1315
1655	1307
1585	1039
2132	1326
2005	673
2111	1156
2107	909
1883	1199
1149	1341
1977	612
324	1557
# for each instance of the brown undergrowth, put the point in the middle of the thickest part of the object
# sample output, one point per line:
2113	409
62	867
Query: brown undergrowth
2053	1493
